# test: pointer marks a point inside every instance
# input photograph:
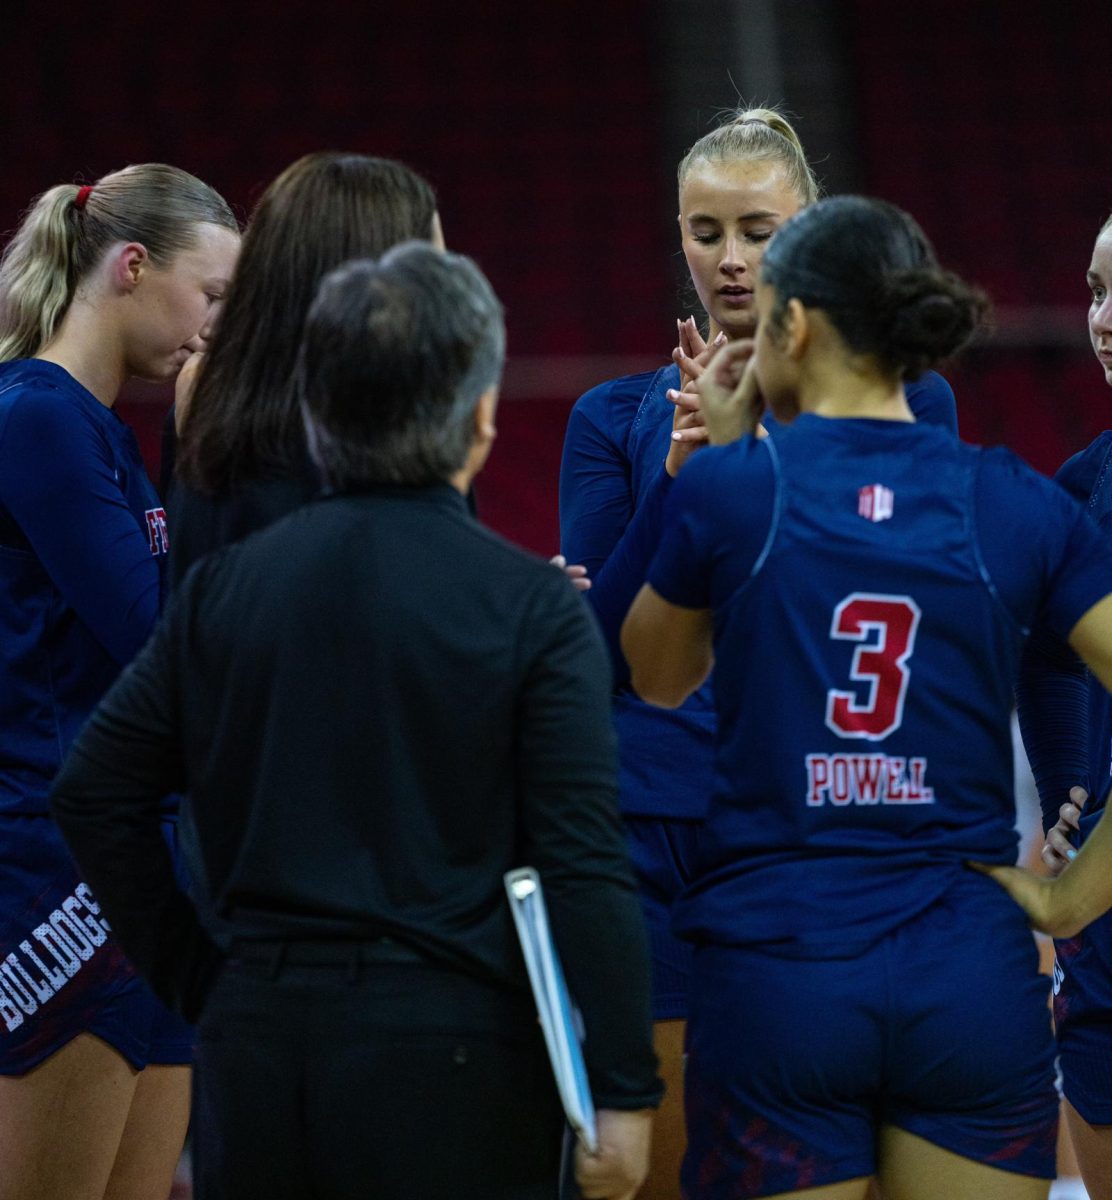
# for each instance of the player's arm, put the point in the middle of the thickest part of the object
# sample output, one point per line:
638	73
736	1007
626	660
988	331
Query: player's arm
58	481
603	527
1091	637
1052	696
1064	906
1052	702
668	634
572	833
107	800
670	649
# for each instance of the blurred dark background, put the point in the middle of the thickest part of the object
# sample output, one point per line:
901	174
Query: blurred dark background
551	132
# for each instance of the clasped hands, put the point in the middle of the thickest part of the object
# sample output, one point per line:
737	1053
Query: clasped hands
718	400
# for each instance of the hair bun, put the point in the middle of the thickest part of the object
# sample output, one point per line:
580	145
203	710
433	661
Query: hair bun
775	120
931	315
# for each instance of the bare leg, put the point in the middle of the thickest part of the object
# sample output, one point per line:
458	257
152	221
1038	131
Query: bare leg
912	1168
669	1133
153	1136
60	1124
1093	1146
848	1189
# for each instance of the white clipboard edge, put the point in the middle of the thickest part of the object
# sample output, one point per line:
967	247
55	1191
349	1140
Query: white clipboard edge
558	1017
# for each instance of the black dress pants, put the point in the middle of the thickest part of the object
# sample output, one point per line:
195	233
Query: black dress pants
357	1079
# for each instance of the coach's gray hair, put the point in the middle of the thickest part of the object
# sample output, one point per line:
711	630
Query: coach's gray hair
394	358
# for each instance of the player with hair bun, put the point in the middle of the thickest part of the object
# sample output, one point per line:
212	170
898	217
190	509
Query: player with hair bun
862	1004
626	441
100	283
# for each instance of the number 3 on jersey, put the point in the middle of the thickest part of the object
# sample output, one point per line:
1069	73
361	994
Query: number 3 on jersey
886	627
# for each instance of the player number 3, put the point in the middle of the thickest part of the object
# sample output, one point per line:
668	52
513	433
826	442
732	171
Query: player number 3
886	627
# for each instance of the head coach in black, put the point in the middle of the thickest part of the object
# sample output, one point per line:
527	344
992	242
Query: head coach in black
377	707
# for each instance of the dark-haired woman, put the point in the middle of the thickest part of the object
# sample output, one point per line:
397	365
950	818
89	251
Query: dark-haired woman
242	462
862	585
1066	717
100	283
626	441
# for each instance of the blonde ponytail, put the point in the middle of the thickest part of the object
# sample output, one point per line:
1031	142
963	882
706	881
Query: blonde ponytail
757	134
61	239
35	274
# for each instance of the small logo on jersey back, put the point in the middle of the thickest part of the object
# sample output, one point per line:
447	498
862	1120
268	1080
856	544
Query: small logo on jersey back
156	531
874	502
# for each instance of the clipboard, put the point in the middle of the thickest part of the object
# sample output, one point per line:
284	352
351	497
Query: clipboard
560	1021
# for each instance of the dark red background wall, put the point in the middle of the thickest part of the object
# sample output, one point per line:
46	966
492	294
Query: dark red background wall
537	133
991	123
541	127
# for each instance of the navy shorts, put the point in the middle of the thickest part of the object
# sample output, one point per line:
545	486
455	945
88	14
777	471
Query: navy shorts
662	851
1083	1019
941	1028
61	971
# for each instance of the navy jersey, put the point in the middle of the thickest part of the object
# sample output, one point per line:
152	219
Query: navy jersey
871	583
1088	477
1065	712
82	543
613	487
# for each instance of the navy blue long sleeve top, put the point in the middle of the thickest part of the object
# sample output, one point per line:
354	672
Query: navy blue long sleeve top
1065	714
82	542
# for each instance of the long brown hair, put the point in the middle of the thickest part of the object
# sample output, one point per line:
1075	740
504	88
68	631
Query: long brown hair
68	228
244	422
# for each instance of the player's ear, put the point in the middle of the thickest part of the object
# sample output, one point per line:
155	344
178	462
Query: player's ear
797	327
128	264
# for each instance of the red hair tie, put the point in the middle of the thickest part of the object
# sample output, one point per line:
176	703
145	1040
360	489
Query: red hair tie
82	196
